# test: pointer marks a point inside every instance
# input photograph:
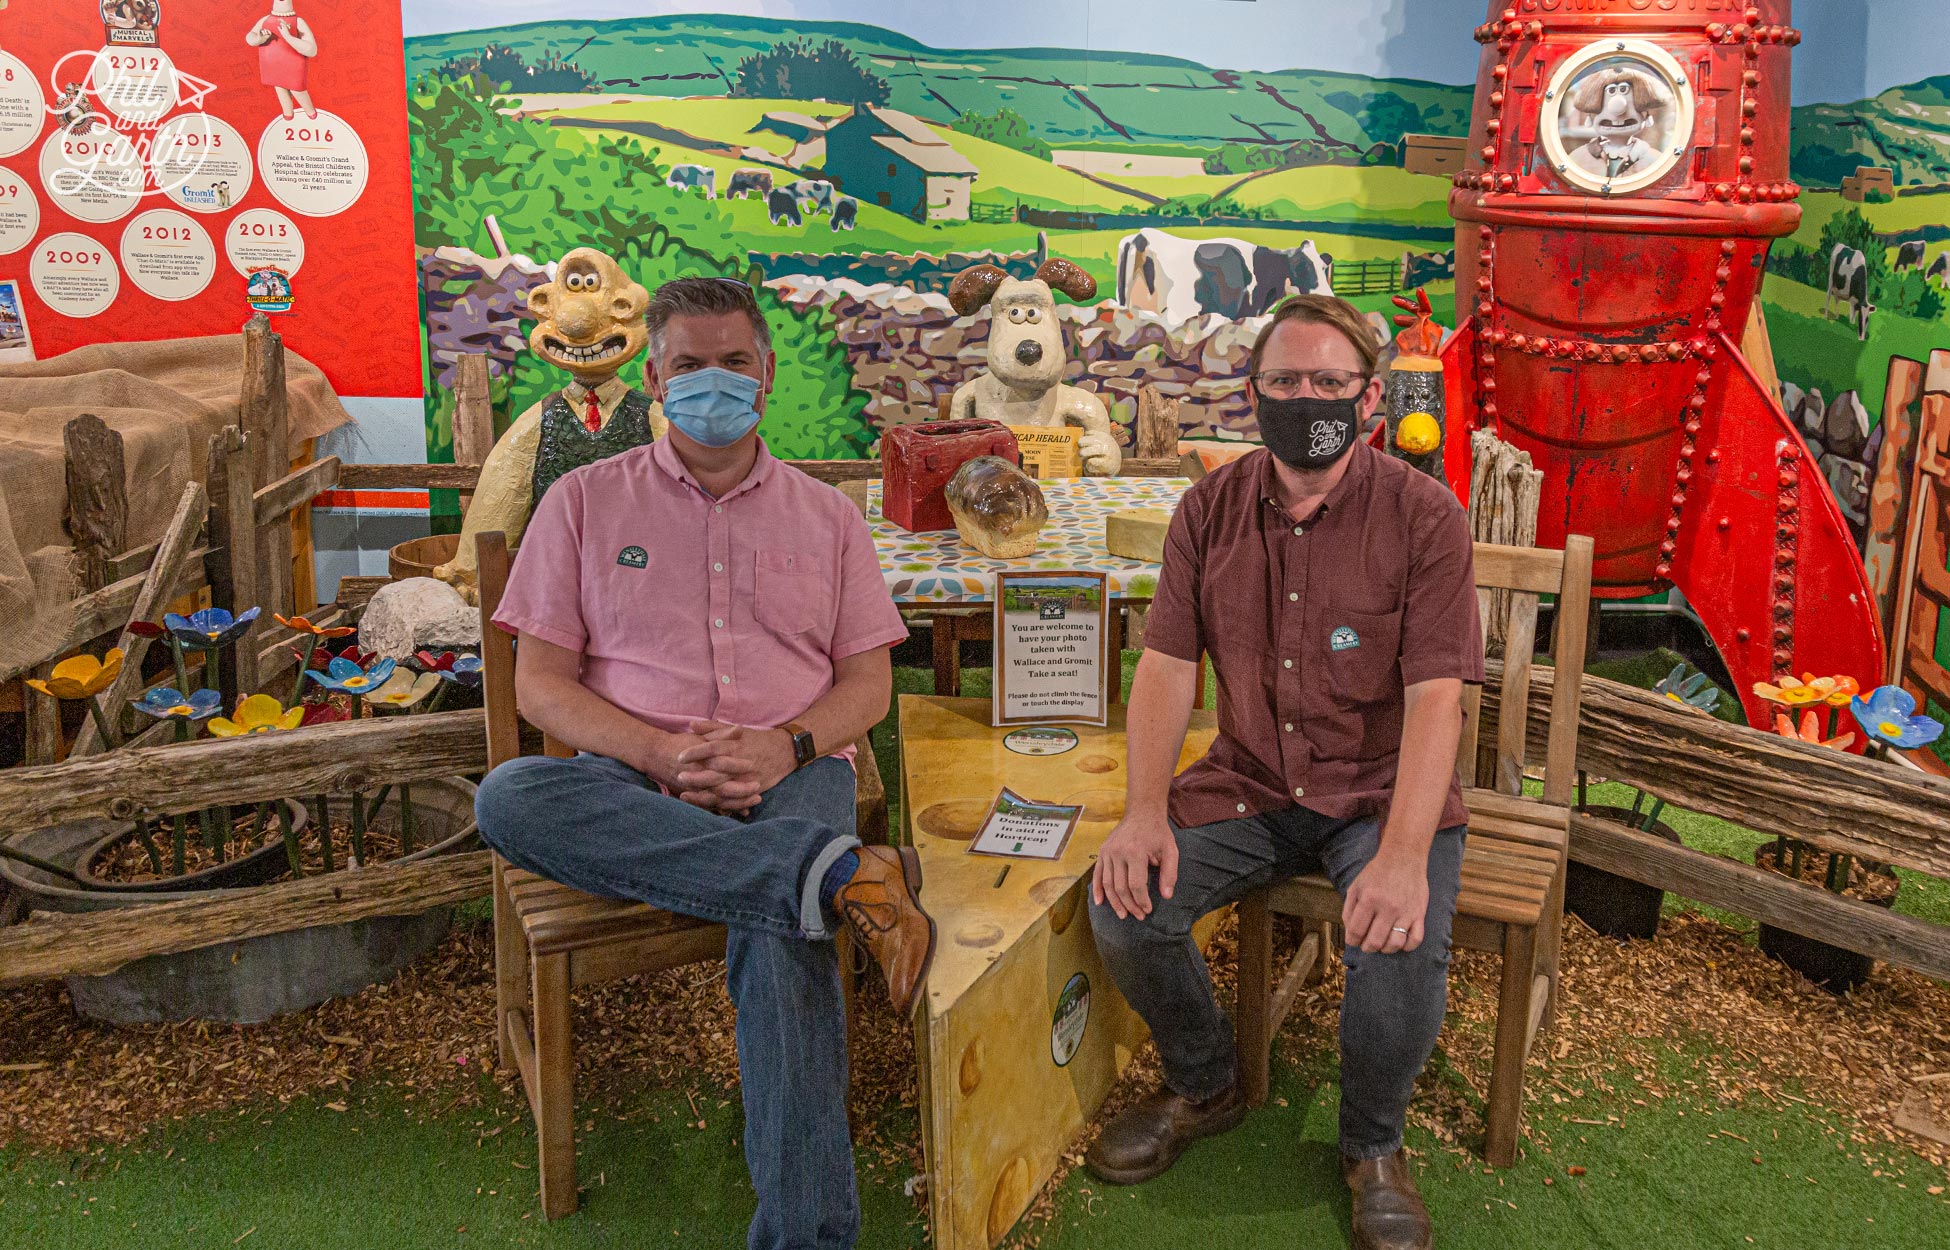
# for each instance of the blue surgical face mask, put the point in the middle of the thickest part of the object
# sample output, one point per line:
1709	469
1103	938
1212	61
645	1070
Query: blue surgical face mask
715	407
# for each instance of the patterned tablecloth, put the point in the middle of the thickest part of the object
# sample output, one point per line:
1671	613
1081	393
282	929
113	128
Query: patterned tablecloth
940	568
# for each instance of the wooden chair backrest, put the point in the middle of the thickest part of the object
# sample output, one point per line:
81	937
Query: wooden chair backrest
1528	572
497	651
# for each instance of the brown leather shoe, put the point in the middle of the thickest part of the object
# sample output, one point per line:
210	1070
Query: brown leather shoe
1147	1139
1388	1212
882	903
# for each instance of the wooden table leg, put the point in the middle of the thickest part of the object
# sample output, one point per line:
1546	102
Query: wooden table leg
1114	651
944	629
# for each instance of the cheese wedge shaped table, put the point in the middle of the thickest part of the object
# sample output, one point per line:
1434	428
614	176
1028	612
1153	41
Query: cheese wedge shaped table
1021	1033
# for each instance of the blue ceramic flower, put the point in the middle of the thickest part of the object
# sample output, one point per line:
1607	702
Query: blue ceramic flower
1694	692
167	704
465	671
209	629
348	678
1888	715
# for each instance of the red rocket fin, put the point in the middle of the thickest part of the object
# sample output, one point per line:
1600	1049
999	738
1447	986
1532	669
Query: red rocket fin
1764	554
1459	407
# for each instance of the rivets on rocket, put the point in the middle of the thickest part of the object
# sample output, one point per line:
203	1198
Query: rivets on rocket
1506	182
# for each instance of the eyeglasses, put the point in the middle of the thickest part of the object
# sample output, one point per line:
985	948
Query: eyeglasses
1325	383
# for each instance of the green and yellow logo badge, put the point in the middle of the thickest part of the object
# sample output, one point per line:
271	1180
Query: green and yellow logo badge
633	558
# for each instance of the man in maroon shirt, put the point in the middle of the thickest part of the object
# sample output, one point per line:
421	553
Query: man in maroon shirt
1334	590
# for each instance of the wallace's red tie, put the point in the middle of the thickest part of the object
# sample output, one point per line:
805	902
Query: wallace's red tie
592	415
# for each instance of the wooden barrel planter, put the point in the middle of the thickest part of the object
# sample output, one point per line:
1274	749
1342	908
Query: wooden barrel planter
245	981
419	557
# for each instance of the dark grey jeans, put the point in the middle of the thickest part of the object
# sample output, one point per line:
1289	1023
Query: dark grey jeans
601	826
1394	1003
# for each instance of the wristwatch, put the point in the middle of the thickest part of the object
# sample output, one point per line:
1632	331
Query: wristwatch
803	750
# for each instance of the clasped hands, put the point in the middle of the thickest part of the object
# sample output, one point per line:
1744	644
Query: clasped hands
1383	912
729	768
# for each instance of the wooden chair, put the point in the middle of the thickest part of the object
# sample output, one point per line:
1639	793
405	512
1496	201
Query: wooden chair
1512	900
550	939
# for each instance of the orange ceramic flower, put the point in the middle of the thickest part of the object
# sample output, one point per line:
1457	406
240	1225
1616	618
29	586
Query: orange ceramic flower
1841	690
303	625
80	676
1791	693
1810	731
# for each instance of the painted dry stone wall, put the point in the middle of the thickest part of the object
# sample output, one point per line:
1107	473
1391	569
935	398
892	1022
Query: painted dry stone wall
475	304
908	349
1838	435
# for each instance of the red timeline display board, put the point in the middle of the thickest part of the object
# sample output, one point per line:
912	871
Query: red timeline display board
169	166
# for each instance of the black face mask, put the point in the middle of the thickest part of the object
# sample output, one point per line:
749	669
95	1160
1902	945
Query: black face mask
1308	432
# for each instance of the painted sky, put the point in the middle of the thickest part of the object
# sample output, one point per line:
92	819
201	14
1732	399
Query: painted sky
1853	50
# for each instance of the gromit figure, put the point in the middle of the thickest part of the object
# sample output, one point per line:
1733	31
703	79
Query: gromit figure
588	321
1024	384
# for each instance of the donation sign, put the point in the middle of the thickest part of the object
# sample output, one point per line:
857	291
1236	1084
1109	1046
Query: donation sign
1023	829
1050	648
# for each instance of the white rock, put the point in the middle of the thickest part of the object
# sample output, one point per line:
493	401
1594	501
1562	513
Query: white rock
404	617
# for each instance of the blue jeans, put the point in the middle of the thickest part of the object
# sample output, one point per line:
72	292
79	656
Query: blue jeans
1394	1004
602	827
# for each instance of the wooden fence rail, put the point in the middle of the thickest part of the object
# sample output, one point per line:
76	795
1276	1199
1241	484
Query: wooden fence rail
1765	782
324	759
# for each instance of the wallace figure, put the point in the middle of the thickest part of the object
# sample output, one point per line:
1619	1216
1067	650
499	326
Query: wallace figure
588	321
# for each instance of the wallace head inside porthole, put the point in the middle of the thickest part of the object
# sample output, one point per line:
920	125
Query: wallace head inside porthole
1618	121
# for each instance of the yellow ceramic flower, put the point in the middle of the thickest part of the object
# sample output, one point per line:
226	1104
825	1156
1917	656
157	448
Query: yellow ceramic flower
258	714
1841	690
81	676
1791	693
404	688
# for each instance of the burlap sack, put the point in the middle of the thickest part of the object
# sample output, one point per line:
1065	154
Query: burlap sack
166	399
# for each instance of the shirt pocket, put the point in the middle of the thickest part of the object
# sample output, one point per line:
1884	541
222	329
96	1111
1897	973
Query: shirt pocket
792	592
1363	657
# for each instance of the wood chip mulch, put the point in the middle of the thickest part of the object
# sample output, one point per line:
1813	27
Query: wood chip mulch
1697	1014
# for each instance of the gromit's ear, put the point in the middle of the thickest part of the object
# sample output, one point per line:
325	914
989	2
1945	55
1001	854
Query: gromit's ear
1068	277
974	287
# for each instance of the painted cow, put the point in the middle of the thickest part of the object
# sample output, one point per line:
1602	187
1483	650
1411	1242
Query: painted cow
1939	270
1280	272
687	177
1848	281
1910	255
756	183
782	206
814	195
845	210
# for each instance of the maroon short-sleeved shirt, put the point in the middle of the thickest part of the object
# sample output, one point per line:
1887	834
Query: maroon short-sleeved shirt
1315	629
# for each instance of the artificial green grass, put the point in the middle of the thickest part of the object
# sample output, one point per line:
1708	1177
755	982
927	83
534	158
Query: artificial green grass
1675	1173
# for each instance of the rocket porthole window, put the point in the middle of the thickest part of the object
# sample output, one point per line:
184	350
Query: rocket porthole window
1617	117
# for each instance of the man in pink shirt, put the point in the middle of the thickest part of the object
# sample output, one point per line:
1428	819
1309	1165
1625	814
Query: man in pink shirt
709	629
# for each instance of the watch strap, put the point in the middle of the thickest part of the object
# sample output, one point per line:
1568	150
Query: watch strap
804	751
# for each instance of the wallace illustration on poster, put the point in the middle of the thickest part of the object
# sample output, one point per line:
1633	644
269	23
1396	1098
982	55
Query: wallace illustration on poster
16	345
1051	641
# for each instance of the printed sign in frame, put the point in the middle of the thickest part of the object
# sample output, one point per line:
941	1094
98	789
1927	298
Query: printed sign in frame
1052	639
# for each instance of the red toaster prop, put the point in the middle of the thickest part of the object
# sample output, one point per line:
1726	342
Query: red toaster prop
917	460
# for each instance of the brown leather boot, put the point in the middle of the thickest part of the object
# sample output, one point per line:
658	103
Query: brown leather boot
1147	1139
882	903
1388	1212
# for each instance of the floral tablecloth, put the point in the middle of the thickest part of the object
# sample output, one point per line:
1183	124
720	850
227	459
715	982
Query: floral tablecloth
940	568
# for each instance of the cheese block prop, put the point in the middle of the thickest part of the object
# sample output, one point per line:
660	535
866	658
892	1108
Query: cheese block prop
1021	1033
998	509
1137	533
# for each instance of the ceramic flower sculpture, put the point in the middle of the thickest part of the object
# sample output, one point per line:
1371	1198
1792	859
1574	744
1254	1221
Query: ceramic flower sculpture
589	322
999	510
1024	383
1888	716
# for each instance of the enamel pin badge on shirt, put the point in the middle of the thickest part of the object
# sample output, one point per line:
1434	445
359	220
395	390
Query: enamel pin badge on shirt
1344	639
633	557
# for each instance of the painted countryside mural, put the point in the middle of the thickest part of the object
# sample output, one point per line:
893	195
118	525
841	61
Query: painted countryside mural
849	171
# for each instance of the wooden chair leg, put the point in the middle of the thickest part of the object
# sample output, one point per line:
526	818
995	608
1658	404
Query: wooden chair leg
554	1092
1252	1006
1550	942
947	656
1505	1118
1330	946
510	968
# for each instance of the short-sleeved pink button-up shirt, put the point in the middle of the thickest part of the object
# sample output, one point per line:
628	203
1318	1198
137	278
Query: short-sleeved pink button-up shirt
686	607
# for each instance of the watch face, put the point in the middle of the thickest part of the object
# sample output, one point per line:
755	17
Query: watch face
1618	117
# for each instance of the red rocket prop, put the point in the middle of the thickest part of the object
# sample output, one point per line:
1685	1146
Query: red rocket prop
1628	169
